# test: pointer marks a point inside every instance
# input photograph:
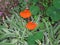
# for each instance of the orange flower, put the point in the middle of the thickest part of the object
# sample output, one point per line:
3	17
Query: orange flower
25	14
31	25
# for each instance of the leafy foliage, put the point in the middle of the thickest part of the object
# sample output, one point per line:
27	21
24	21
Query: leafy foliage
56	3
53	13
34	9
35	36
14	32
50	34
6	44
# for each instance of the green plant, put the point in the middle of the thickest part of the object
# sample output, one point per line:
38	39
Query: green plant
50	33
47	32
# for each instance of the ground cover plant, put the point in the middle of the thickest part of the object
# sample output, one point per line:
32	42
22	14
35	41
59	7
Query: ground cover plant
29	22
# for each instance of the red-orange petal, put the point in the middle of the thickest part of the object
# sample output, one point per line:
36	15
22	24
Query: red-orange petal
31	25
25	14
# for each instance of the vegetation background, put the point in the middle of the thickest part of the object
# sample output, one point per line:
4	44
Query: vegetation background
46	13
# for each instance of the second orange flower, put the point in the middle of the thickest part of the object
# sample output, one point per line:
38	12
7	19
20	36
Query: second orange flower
31	25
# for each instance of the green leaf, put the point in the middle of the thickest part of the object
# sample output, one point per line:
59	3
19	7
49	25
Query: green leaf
6	44
56	3
36	36
35	18
41	25
35	1
31	40
34	10
53	13
2	36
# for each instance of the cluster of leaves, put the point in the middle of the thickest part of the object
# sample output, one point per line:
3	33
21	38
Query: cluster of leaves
54	11
14	32
51	32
